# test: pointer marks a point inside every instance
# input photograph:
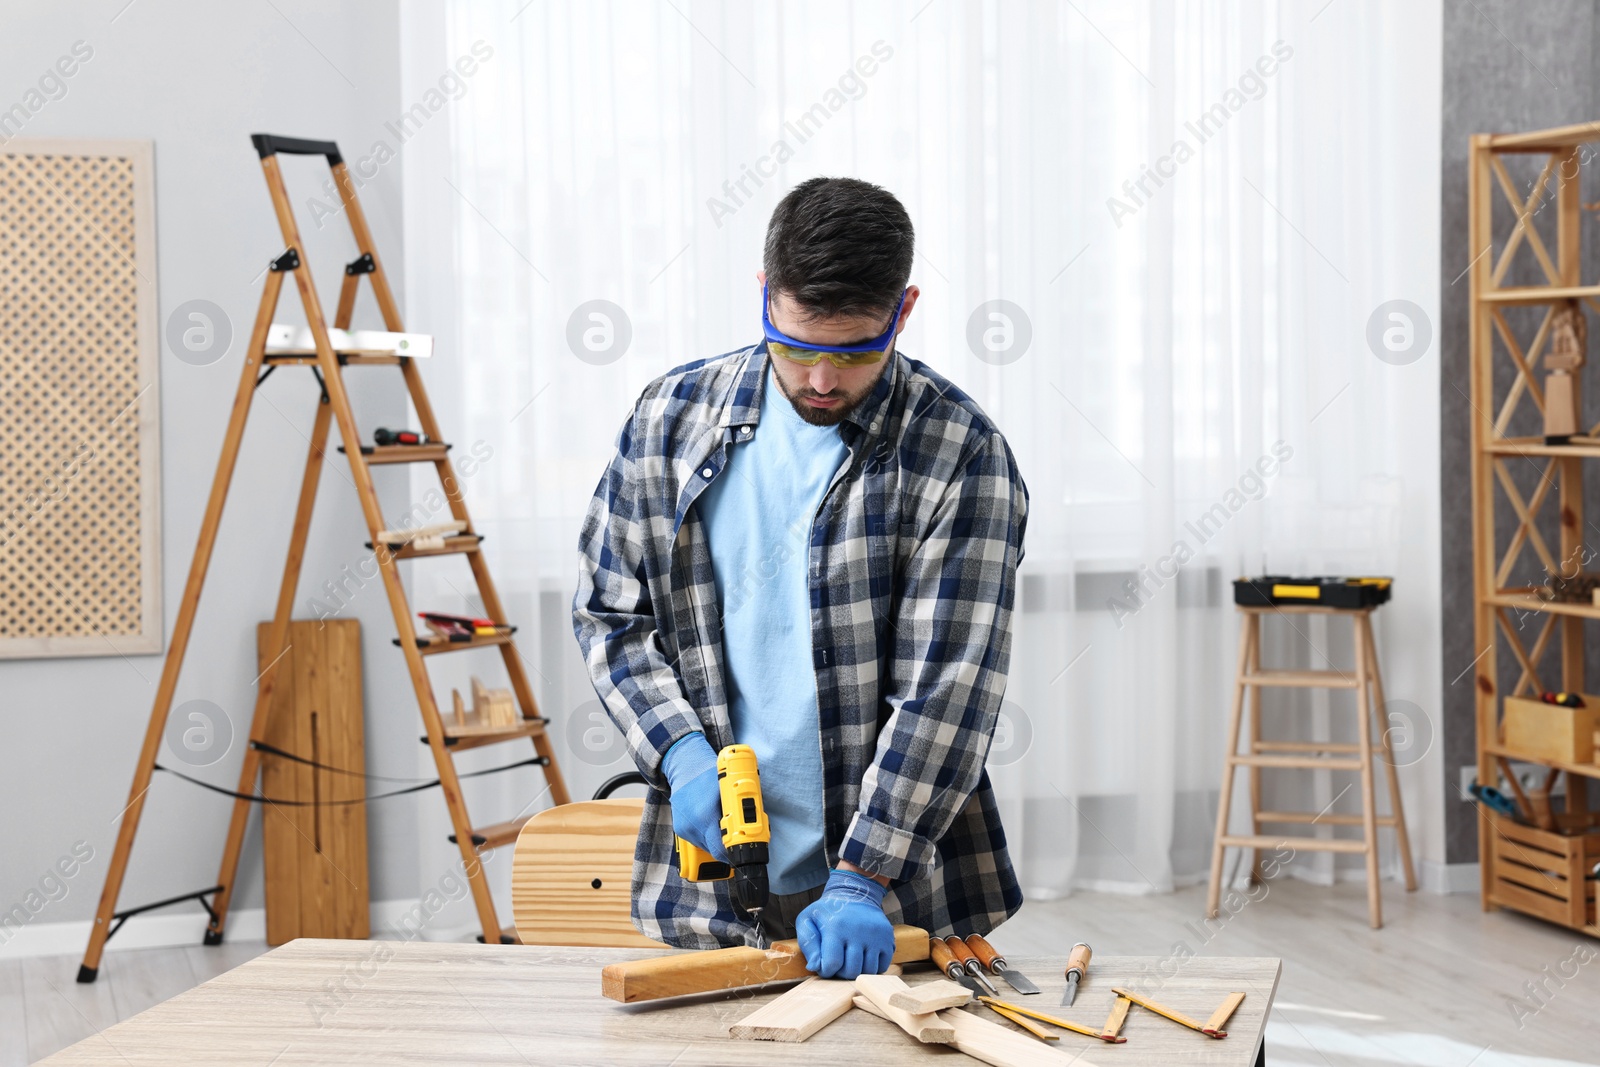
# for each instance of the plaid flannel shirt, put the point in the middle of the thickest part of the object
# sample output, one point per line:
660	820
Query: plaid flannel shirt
912	557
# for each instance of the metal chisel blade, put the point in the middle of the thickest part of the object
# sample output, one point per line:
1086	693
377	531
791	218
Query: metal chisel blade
970	982
1019	982
1071	993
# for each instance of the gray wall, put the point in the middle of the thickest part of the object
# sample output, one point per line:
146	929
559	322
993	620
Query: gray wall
197	78
1508	66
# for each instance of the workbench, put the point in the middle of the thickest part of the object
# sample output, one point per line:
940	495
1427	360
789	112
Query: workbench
397	1002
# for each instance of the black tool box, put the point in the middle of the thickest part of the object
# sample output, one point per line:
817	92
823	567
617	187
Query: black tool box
1276	590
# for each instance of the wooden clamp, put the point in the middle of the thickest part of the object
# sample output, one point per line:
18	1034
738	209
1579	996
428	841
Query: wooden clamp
728	968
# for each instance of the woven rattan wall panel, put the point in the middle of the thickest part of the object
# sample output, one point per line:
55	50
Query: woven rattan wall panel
79	438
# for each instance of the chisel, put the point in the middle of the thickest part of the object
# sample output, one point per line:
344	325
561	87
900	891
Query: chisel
945	960
1077	967
964	956
996	963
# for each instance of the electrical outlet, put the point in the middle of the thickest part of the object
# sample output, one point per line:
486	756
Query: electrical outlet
1469	774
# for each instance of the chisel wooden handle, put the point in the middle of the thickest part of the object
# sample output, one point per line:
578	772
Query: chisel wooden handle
1079	960
985	952
963	954
943	958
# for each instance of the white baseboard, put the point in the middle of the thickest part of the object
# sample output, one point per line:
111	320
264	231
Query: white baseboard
167	931
1448	877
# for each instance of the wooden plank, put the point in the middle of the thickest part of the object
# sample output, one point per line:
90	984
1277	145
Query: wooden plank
930	996
798	1013
315	861
728	968
924	1026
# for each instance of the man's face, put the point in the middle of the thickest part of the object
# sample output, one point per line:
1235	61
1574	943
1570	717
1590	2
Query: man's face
824	394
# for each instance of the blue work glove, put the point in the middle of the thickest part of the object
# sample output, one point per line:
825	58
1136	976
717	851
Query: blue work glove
845	933
691	769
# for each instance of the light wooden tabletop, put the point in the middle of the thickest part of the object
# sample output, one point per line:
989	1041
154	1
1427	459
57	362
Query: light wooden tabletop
393	1002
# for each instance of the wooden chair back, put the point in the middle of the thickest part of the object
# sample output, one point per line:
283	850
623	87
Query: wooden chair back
571	873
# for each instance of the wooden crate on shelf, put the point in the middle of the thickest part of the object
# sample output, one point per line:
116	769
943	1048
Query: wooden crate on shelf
1545	873
1539	731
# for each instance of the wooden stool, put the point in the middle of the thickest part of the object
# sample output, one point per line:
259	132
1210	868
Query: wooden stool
1310	755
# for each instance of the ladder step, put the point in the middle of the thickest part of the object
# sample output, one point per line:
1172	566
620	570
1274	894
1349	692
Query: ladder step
1327	819
430	645
461	738
497	835
348	357
1306	746
461	544
1301	679
1327	763
381	454
1310	844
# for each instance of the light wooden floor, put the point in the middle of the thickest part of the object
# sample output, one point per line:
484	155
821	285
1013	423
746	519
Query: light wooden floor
1434	988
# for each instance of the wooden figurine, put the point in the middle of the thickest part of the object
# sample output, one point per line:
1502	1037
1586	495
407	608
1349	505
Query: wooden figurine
493	707
1568	341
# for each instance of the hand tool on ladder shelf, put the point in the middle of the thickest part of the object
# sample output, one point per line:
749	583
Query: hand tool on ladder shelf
946	961
1077	968
332	350
969	963
399	437
997	965
745	834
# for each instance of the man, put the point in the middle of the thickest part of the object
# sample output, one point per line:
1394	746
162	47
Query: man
809	546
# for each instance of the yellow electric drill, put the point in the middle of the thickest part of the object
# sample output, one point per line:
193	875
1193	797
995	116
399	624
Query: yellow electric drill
745	834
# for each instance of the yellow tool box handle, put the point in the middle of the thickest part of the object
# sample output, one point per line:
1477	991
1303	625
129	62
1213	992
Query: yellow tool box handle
1301	592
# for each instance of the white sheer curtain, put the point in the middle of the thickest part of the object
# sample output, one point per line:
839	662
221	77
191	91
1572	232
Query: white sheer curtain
1185	332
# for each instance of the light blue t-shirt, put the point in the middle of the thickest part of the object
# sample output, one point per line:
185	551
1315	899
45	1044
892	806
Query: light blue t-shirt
758	516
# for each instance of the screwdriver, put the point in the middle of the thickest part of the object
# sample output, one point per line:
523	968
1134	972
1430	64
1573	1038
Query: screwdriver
963	955
946	961
1077	967
997	964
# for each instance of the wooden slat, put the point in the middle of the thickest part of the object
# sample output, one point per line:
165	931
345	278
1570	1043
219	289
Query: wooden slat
461	738
927	1027
991	1043
496	835
728	968
1310	844
379	455
798	1013
1539	294
1326	763
453	546
1302	679
1319	818
1306	746
431	645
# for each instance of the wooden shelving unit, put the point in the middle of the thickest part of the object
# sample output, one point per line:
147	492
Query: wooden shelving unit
1540	872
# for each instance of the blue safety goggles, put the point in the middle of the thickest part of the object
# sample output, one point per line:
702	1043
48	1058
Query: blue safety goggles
842	356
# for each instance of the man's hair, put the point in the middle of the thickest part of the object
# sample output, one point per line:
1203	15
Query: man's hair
839	246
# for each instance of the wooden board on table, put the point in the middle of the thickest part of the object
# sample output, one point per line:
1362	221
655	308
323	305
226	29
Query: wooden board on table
926	1027
315	863
990	1042
729	968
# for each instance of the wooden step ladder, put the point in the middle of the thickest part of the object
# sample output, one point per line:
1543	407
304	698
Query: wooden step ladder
328	366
